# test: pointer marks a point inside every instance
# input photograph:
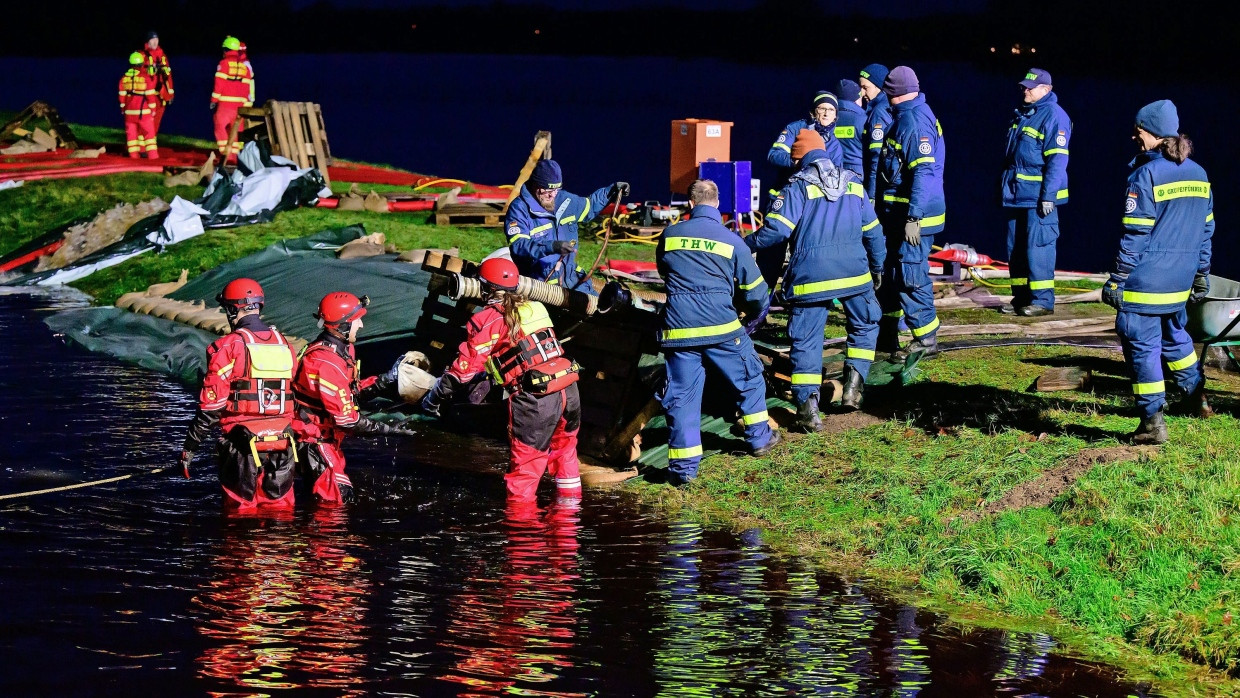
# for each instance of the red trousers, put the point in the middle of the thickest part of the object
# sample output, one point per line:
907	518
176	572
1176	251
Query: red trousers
225	115
158	115
542	437
324	463
140	136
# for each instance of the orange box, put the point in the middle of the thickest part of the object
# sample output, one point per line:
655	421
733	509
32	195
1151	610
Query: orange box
696	141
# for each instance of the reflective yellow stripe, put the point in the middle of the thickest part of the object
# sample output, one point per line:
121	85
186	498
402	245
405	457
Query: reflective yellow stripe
831	284
782	147
722	249
892	198
894	313
1039	285
755	418
518	236
1029	178
855	353
927	329
226	370
1210	217
1061	194
781	219
222	98
1178	190
875	145
929	221
1181	364
585	212
674	453
807	378
773	192
894	144
751	286
541	228
870	225
552	281
1033	132
845	132
856	189
1156	298
327	384
696	332
919	161
1148	388
1055	151
813	192
1020	281
1128	220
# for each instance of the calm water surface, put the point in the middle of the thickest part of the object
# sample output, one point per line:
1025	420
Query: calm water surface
426	586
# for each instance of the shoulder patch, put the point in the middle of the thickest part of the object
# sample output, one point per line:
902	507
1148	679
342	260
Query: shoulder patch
782	137
1061	139
924	148
1130	204
513	229
877	135
777	204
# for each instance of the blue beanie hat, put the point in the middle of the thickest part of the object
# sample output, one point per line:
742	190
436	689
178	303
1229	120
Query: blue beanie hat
1160	118
901	81
875	73
848	90
824	96
546	175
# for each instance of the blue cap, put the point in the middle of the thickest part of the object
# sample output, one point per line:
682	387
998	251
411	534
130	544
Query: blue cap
848	90
1035	77
546	175
822	96
1160	118
876	73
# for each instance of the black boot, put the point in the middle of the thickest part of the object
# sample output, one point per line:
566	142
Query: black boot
928	346
769	445
853	387
808	419
1152	430
888	335
1194	404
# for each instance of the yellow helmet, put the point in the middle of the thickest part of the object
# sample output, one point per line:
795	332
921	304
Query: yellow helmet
232	43
135	58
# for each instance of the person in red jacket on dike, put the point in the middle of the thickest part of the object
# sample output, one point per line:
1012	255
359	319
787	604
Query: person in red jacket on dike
513	340
248	390
327	389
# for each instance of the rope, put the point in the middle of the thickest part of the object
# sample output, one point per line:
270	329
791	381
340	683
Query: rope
92	483
615	209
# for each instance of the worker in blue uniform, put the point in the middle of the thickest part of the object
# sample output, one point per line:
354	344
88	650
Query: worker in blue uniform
850	128
837	254
822	117
1163	263
542	222
710	279
912	210
877	121
1034	186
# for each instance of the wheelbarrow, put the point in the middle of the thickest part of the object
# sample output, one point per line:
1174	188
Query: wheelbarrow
1215	321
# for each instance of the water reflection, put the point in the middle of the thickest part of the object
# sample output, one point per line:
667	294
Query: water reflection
285	606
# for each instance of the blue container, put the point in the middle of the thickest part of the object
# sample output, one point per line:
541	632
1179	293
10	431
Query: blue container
733	179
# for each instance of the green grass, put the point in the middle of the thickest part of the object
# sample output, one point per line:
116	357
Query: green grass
1140	558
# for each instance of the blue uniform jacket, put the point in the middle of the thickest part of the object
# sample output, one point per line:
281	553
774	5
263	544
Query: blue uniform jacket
531	230
780	154
1037	155
836	239
710	276
877	124
910	166
849	130
1168	223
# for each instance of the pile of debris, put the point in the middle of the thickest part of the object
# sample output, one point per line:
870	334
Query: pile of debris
104	229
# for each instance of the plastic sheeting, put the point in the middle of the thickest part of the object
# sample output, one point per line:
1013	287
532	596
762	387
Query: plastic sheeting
160	345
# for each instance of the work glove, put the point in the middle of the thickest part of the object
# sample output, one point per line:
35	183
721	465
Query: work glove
439	394
184	460
1113	290
564	246
368	426
877	278
213	105
1201	287
619	189
1045	208
912	232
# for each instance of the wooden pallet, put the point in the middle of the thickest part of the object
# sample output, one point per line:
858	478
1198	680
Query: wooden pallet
296	131
480	214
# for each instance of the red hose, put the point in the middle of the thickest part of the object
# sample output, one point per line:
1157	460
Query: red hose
31	256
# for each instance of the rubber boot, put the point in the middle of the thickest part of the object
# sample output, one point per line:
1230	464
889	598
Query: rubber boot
888	335
769	445
1151	431
928	346
1195	404
808	420
1034	311
854	385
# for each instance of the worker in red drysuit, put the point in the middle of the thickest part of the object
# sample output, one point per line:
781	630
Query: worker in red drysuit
158	70
248	389
234	81
513	340
327	389
137	99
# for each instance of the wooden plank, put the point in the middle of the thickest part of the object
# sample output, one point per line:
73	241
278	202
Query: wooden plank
317	117
286	133
293	124
281	137
541	149
320	139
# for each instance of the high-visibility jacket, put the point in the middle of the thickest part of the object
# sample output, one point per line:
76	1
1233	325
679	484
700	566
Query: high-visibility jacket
157	68
910	166
532	230
836	240
1168	225
780	154
136	93
877	123
234	80
710	275
1036	162
850	131
326	386
489	347
249	376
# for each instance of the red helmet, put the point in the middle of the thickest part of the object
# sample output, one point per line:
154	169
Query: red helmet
341	308
500	273
241	294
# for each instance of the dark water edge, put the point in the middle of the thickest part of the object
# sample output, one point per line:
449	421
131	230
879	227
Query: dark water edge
426	586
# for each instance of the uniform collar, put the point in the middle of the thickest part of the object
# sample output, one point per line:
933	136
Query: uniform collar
1028	109
253	323
1147	156
703	211
340	346
917	101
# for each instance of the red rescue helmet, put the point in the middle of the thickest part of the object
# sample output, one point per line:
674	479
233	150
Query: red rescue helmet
241	294
339	308
500	273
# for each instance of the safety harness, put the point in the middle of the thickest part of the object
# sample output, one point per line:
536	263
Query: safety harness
263	395
536	363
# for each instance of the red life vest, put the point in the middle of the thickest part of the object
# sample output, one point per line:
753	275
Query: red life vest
308	397
261	398
536	363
